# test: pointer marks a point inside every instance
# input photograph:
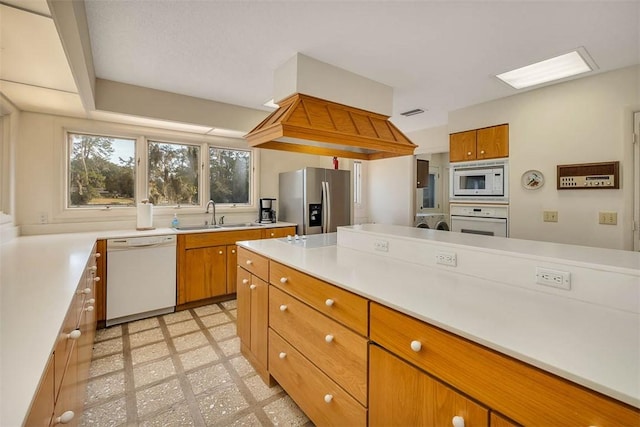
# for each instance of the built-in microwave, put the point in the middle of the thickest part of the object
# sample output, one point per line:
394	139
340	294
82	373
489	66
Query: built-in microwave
486	180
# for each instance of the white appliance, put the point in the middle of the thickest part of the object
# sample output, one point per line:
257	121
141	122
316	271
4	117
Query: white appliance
486	180
478	219
434	221
141	274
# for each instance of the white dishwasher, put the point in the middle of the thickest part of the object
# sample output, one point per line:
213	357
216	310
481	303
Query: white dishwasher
141	277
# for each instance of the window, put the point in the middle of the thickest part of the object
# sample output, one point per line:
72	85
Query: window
357	182
173	174
229	175
101	171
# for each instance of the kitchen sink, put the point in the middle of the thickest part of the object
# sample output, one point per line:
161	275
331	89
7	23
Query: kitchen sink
244	224
197	227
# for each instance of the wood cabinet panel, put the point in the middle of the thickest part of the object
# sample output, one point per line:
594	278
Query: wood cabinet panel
243	322
43	402
521	392
321	399
276	232
422	173
349	309
492	142
218	238
497	420
462	146
67	399
232	268
336	350
402	395
100	257
259	319
254	263
205	274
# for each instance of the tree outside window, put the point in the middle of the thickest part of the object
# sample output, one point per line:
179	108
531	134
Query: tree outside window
173	174
229	175
101	171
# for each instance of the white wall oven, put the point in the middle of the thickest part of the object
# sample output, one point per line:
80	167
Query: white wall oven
478	219
486	180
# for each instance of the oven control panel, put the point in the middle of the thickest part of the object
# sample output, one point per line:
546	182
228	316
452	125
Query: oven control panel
480	211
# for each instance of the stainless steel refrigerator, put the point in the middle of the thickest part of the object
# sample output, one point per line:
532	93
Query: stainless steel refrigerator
318	200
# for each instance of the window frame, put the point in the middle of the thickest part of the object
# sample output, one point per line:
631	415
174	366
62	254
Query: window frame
207	166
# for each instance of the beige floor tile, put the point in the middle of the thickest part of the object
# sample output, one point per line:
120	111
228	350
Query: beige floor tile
149	352
110	413
198	357
223	331
207	309
215	320
152	372
242	366
182	328
189	341
178	316
104	387
108	333
143	325
233	313
177	416
221	403
105	365
159	396
230	347
247	421
104	348
230	304
146	337
285	412
259	389
208	378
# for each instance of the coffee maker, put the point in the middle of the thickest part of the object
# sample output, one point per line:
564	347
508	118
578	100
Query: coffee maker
267	214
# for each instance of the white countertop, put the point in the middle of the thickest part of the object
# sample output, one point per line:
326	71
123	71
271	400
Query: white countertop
590	344
38	278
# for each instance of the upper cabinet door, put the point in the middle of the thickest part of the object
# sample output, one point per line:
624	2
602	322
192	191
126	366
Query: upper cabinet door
462	146
493	142
422	173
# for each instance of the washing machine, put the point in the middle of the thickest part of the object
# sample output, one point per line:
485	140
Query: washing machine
435	221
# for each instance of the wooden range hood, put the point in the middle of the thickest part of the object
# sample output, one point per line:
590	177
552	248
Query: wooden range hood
305	124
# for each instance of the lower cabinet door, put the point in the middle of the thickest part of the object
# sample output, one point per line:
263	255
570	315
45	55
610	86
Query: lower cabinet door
243	323
206	273
232	262
43	402
68	396
402	395
321	399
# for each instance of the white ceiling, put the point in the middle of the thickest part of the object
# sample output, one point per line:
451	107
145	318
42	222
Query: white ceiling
437	55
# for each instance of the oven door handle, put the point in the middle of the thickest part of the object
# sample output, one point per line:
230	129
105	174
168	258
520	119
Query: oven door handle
478	218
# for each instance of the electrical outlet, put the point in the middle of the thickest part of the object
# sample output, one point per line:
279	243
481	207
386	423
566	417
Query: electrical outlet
447	258
609	218
44	218
550	216
554	278
381	245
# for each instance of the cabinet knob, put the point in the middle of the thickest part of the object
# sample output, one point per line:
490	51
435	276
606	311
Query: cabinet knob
481	151
416	346
89	308
91	301
97	255
329	302
219	252
249	262
273	234
328	338
96	279
283	280
282	355
328	398
468	153
65	418
283	307
457	421
245	281
233	251
74	335
93	268
252	287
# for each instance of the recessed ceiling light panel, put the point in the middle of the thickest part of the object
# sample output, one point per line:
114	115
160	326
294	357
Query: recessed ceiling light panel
559	67
412	112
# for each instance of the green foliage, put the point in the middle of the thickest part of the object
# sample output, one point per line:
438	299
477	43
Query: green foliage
173	174
229	175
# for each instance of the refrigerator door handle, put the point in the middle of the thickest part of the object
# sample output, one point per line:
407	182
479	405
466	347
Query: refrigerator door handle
328	203
324	206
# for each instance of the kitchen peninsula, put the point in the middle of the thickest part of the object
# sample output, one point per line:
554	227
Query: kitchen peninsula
479	332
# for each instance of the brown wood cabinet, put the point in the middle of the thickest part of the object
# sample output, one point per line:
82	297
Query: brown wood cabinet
44	400
232	267
422	173
253	307
101	285
497	420
479	144
272	233
402	395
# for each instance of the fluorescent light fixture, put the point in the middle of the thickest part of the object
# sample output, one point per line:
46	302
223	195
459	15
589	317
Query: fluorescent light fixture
560	67
412	112
271	104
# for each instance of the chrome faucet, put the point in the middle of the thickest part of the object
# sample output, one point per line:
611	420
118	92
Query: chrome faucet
213	214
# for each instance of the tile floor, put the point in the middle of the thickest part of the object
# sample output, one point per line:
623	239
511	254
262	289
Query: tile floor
181	369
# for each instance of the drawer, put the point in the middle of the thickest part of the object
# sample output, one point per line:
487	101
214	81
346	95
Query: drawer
343	306
218	238
523	393
324	402
253	263
272	233
337	351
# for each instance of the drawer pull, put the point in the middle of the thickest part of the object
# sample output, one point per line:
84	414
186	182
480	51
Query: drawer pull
329	302
245	281
468	153
219	252
96	279
282	355
233	251
89	308
252	287
457	421
74	335
283	307
91	301
283	280
328	398
481	151
93	268
328	338
416	346
65	418
97	255
87	291
249	262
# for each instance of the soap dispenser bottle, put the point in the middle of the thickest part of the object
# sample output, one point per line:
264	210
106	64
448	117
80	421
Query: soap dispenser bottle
174	222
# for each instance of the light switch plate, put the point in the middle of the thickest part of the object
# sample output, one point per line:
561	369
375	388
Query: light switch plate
550	216
608	218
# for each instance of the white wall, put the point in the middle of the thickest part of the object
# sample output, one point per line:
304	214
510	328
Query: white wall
9	133
580	121
432	140
390	190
